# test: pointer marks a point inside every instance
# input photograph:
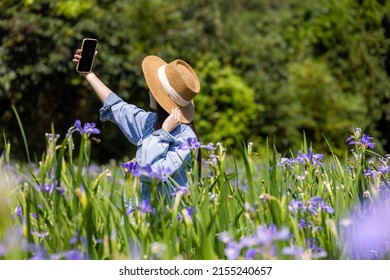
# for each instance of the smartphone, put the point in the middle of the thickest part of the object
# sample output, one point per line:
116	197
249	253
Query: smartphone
88	49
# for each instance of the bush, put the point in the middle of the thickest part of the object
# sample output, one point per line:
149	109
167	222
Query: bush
225	107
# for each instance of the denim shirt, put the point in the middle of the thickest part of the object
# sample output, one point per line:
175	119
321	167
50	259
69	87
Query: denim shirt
156	148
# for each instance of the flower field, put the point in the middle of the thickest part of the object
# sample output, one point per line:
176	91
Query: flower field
303	205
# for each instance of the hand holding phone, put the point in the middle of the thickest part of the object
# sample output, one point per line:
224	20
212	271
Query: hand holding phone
88	49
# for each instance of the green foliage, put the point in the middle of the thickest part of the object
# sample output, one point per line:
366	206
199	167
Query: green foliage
288	54
73	8
266	207
352	38
321	107
225	106
346	41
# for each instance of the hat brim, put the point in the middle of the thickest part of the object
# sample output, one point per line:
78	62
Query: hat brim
150	66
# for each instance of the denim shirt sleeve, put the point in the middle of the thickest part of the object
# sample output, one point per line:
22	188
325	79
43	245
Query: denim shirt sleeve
162	150
131	120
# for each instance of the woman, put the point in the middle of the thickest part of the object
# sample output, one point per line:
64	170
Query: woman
159	136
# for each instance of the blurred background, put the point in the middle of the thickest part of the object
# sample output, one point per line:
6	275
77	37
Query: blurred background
276	69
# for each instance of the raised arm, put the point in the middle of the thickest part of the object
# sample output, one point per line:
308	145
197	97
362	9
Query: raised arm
101	90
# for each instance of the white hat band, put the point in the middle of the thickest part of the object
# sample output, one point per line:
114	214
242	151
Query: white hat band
162	76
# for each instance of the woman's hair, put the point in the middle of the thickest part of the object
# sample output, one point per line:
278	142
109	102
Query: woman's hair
162	115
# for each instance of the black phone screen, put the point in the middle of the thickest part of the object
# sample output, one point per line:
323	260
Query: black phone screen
87	54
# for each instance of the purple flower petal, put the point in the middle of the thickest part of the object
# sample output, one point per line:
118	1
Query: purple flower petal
232	251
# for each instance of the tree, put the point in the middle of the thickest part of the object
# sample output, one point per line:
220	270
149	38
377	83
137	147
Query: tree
225	107
270	52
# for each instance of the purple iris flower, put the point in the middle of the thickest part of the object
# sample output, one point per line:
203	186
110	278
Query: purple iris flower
263	239
232	251
315	200
191	144
248	241
184	190
369	172
284	162
19	211
69	255
213	159
147	171
364	141
383	169
76	237
133	167
312	210
137	170
366	234
88	129
323	205
39	253
384	191
302	224
295	205
266	235
190	211
130	210
162	173
308	158
47	188
281	234
3	250
145	206
41	236
316	159
293	251
299	252
52	137
209	147
356	135
61	191
251	254
318	252
311	243
14	238
225	237
314	205
302	158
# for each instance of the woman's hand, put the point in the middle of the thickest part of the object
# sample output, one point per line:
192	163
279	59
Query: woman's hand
77	56
101	90
76	59
173	120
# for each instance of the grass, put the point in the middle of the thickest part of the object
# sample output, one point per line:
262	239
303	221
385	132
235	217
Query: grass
255	206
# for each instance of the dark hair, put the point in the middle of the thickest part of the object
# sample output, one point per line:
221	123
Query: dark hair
162	115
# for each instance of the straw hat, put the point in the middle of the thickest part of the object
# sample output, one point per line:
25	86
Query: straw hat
172	84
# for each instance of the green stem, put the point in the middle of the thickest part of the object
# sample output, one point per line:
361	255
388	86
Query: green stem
80	163
23	134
